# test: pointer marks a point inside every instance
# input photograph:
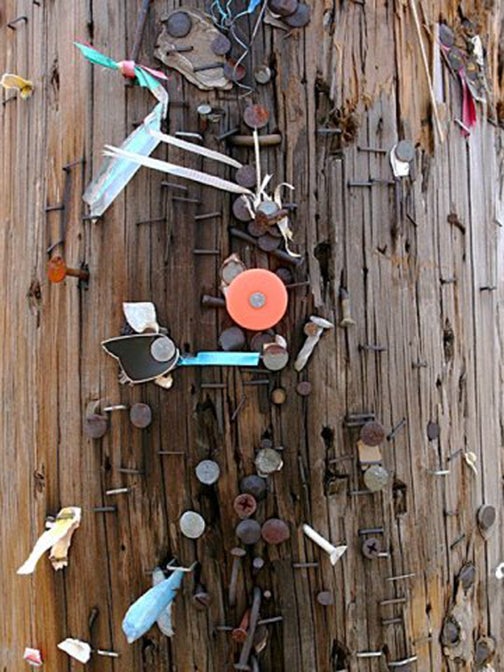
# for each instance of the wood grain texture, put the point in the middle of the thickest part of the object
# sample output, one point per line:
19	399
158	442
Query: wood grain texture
414	256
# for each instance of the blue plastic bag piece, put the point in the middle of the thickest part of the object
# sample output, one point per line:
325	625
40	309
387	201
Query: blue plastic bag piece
220	359
146	610
252	5
115	173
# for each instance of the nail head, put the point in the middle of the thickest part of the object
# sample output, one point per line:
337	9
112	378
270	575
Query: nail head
262	74
256	116
163	349
246	176
207	472
192	524
303	388
486	516
300	18
221	45
275	531
325	598
140	415
178	24
248	531
255	486
376	477
373	433
232	339
275	357
283	7
268	461
95	425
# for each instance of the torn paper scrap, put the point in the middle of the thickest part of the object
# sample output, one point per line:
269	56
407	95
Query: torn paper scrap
164	620
11	81
33	657
57	538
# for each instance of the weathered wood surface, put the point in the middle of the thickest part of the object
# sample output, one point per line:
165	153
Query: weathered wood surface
397	263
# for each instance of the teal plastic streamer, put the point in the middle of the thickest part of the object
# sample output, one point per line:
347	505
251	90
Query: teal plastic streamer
220	359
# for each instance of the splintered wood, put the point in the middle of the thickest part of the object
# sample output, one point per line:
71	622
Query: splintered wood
407	269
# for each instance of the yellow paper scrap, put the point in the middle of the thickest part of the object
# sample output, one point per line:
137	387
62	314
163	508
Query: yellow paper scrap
11	81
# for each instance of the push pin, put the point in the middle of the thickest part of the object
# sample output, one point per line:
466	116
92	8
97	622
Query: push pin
57	271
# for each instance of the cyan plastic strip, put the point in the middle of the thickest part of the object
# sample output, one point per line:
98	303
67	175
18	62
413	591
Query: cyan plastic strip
220	359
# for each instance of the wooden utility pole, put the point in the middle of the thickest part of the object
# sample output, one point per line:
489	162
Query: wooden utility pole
418	256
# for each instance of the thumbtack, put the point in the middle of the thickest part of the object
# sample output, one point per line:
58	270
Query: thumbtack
57	271
117	491
12	24
334	552
105	509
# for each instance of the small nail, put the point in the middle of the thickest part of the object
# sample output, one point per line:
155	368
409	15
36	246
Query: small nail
347	320
395	600
207	215
188	134
53	208
438	472
404	661
457	541
304	565
212	301
208	66
183	199
391	621
329	131
127	470
372	530
372	150
395	429
368	654
228	134
153	220
12	24
208	252
213	386
172	185
117	491
170	452
238	554
105	509
399	577
372	347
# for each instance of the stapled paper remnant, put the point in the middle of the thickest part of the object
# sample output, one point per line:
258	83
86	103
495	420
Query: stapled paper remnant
81	651
141	316
201	36
143	613
33	657
164	620
11	81
57	538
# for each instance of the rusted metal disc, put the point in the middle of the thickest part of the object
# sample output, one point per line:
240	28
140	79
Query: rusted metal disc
232	339
95	425
221	45
262	74
405	151
241	210
275	531
376	477
140	415
178	24
432	430
486	517
256	116
257	228
275	357
300	18
268	243
246	176
163	349
446	36
207	472
283	7
267	461
285	275
192	524
254	485
372	433
325	598
278	396
304	388
233	72
259	340
311	329
245	505
248	531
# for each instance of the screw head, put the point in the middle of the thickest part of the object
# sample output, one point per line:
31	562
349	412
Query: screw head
283	7
95	425
267	461
192	524
140	415
178	24
372	433
376	477
207	472
245	505
370	548
300	18
232	339
275	531
248	531
221	45
255	486
486	517
256	116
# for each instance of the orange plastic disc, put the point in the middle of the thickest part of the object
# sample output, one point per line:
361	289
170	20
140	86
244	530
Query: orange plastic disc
56	269
256	299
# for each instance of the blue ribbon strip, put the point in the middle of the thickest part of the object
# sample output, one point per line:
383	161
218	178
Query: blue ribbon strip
220	359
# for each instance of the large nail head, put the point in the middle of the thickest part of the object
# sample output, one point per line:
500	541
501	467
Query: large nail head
275	531
140	415
95	425
163	349
254	485
248	531
192	524
207	472
373	433
178	24
267	461
376	477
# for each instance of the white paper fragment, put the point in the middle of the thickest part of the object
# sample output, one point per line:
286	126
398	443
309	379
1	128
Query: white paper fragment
81	651
499	572
57	538
399	168
33	657
196	149
141	316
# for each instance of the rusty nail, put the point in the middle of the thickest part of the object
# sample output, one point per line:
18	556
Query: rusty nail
228	134
372	433
201	598
247	646
12	24
394	600
239	634
52	208
279	254
212	301
208	66
57	271
152	220
238	554
207	215
372	347
203	252
457	541
105	509
184	199
173	185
